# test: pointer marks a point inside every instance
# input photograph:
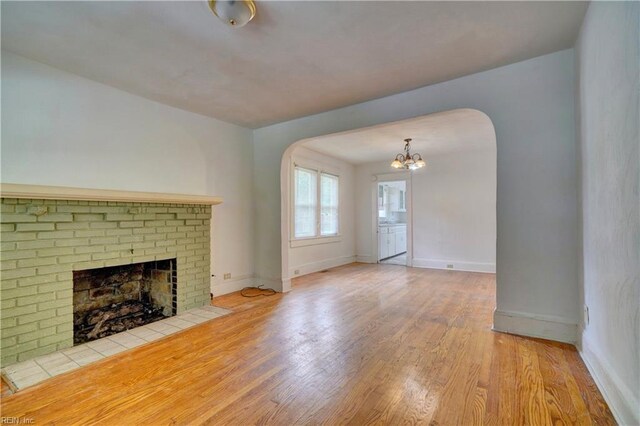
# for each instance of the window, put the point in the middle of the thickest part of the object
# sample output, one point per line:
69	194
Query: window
328	204
316	203
305	202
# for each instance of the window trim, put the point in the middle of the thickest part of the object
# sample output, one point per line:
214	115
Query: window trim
318	238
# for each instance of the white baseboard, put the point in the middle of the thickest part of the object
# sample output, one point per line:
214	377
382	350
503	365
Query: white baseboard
309	268
624	406
220	287
542	326
277	284
458	265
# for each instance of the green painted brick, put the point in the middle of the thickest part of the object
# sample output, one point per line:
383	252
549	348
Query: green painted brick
108	209
56	251
72	242
49	321
55	234
88	217
18	292
18	348
37	261
144	231
17	218
104	240
74	258
118	232
89	249
52	304
37	280
110	217
21	329
18	254
94	233
103	256
43	350
103	225
17	273
45	270
18	236
55	338
56	217
6	303
73	209
4	246
72	225
36	334
8	264
7	227
35	298
91	233
24	245
53	287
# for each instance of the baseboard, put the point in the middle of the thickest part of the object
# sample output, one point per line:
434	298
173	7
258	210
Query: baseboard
623	405
542	326
458	265
220	287
309	268
277	284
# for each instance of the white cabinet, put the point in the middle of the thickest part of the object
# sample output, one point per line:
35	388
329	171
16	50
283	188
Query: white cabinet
383	244
392	240
401	241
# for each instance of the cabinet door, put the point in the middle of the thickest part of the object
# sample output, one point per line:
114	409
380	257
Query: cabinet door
383	245
401	241
392	244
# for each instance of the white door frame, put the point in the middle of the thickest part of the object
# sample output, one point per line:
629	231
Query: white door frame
391	177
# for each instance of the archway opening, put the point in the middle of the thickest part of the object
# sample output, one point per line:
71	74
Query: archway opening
448	208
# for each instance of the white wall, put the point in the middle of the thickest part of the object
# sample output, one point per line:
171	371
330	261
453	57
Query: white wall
341	250
61	129
531	105
454	211
608	68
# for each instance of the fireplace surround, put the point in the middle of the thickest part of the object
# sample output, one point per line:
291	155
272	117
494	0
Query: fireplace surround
44	241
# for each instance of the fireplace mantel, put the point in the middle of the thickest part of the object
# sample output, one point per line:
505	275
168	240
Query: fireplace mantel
41	192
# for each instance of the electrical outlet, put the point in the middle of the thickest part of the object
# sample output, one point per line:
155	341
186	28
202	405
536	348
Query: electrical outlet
450	266
227	276
296	272
586	315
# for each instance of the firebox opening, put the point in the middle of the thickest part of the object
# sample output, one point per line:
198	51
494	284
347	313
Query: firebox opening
110	300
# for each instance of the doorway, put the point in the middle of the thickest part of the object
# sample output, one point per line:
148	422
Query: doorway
392	215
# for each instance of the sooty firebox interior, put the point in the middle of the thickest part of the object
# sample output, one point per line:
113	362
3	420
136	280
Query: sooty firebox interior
114	299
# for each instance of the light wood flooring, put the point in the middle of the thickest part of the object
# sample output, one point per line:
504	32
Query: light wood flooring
360	344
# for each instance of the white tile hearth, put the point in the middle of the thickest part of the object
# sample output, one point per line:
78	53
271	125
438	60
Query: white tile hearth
27	373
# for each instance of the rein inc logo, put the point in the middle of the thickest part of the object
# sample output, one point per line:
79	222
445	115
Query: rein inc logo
17	421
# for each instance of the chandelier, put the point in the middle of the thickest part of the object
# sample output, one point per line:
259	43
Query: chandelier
408	160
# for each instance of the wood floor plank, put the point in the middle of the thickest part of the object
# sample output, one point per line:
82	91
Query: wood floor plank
357	345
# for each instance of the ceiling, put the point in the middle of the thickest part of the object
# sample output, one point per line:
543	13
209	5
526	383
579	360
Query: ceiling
295	58
434	134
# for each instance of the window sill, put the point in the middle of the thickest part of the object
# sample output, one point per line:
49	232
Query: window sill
313	241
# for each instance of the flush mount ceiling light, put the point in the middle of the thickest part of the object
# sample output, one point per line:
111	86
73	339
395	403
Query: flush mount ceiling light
235	13
408	160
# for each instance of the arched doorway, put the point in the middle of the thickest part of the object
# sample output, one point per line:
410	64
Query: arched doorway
457	144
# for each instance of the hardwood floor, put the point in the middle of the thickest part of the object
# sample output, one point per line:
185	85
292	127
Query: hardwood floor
359	344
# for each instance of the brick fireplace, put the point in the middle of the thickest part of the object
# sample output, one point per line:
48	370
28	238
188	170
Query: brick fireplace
44	243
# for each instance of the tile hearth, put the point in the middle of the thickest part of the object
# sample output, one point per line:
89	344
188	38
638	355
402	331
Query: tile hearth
28	373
